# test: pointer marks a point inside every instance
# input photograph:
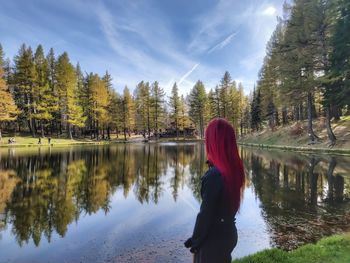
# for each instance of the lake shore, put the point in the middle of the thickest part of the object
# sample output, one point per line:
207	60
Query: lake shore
299	148
294	137
28	141
333	249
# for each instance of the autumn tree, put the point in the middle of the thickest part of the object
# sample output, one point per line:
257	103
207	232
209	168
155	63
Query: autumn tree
8	108
71	111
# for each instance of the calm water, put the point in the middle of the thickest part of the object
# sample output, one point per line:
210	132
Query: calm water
138	203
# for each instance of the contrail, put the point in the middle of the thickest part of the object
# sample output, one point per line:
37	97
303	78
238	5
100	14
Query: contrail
188	73
223	43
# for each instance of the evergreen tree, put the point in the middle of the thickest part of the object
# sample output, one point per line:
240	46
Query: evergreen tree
115	112
2	57
51	75
24	82
198	103
71	112
256	110
225	85
299	56
44	102
112	119
184	120
8	108
128	110
157	106
99	103
174	102
143	107
338	90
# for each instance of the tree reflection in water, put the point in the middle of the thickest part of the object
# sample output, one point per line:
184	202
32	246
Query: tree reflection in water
302	197
46	192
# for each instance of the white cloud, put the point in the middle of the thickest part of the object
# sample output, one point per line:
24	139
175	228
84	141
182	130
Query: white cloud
269	11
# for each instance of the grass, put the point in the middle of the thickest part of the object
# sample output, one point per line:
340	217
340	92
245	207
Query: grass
334	249
28	141
283	138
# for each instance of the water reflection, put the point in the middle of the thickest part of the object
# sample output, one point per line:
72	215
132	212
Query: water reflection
303	197
46	192
41	193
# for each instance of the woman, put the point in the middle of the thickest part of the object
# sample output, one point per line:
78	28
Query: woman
215	234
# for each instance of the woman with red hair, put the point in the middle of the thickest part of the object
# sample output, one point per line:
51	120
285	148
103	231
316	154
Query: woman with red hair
215	235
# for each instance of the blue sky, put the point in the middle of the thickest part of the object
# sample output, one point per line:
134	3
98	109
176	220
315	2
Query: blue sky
164	40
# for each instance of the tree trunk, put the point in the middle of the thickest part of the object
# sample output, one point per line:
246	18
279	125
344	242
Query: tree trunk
301	112
42	128
70	131
0	134
330	177
277	121
313	180
284	116
31	128
331	136
177	131
311	134
285	177
297	113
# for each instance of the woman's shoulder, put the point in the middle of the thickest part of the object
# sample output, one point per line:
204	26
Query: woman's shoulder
212	174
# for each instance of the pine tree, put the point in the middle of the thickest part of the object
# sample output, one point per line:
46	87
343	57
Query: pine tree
128	110
184	120
44	102
256	110
337	88
115	112
225	85
198	103
112	119
143	107
299	55
157	106
51	74
71	112
2	57
174	102
99	103
24	82
8	108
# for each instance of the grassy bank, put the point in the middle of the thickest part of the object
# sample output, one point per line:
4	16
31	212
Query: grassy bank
294	137
334	249
27	141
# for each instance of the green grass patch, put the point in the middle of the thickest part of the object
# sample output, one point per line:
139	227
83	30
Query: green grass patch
27	141
334	249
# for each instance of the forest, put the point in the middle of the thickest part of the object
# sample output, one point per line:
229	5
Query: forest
305	75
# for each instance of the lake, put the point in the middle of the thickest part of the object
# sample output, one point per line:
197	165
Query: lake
138	202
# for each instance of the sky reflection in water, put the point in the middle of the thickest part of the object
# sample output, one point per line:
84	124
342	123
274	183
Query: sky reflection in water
127	203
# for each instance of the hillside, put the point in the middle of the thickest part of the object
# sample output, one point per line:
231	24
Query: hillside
295	135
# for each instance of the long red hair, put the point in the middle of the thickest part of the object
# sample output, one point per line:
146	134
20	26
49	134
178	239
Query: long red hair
222	152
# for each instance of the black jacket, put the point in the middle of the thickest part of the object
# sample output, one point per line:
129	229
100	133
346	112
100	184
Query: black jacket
215	223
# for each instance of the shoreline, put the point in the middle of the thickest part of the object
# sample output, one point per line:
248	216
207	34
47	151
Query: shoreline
303	149
67	142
